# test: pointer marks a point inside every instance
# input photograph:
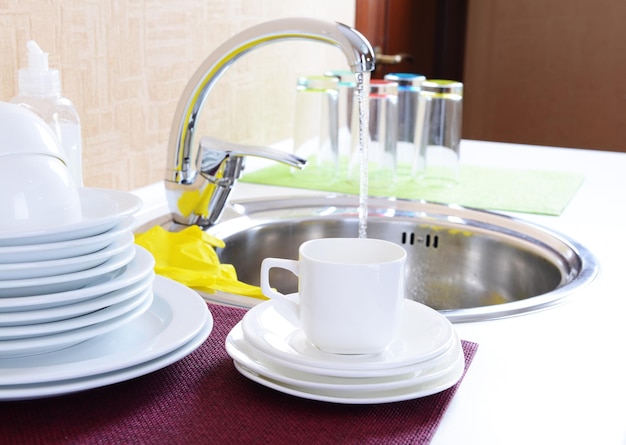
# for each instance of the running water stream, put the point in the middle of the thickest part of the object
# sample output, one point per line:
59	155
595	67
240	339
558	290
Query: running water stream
362	88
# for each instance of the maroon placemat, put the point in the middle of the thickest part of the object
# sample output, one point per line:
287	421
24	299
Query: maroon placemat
202	399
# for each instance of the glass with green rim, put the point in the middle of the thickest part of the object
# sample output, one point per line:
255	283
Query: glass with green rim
315	126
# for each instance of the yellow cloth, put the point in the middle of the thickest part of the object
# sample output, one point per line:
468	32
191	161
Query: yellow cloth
189	258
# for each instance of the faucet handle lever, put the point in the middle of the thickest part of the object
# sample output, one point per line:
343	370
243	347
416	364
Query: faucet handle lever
214	152
221	164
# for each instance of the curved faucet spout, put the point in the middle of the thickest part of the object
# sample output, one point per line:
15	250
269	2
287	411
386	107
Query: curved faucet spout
184	172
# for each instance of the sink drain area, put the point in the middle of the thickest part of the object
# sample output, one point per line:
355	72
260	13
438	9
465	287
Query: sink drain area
410	239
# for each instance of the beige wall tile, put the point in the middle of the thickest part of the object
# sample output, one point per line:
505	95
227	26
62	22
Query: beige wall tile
125	63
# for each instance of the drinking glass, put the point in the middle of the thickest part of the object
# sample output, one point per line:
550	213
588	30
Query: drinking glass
346	85
315	127
441	108
382	130
409	127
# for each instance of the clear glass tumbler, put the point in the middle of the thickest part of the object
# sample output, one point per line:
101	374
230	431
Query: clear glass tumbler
441	109
315	127
409	86
345	87
382	130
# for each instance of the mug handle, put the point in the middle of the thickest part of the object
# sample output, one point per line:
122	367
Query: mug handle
268	291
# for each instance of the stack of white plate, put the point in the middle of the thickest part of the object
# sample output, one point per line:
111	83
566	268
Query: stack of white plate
426	357
176	324
64	284
80	306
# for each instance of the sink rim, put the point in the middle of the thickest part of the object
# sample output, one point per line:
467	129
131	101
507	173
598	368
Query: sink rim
582	265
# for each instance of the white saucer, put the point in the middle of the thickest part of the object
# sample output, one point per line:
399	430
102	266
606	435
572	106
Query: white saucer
274	329
139	268
102	209
176	323
387	373
65	249
19	318
245	354
38	269
43	331
65	282
360	397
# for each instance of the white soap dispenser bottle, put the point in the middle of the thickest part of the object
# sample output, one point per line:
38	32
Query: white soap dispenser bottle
39	89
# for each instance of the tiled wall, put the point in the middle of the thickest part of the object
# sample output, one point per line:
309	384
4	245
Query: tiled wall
125	63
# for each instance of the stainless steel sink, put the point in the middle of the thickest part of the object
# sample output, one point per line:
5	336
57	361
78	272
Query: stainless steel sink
469	264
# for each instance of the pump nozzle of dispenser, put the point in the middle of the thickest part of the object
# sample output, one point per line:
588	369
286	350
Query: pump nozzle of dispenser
38	79
37	59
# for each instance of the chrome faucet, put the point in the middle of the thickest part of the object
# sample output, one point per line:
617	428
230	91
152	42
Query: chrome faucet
200	176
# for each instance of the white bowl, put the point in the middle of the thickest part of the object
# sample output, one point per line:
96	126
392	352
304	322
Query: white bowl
36	191
22	131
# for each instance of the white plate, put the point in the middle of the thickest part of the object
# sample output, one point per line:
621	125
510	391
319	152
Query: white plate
40	345
39	390
101	210
65	282
274	329
39	269
65	249
361	397
243	353
176	317
42	332
77	309
140	267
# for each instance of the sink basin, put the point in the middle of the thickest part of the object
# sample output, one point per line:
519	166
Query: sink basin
471	265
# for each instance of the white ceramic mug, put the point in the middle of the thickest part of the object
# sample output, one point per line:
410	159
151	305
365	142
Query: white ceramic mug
350	292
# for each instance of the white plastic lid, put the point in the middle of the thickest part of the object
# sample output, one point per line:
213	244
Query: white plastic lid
38	80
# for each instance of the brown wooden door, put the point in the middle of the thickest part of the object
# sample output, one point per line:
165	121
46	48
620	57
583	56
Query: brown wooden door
430	33
541	72
546	72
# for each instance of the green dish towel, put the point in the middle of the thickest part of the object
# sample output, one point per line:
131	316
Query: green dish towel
525	191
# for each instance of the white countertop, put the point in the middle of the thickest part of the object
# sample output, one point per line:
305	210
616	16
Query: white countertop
553	377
